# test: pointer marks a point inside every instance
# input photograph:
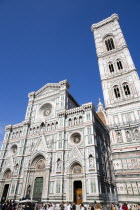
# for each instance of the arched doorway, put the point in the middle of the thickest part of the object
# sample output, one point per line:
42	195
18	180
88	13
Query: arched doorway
7	178
77	183
78	197
38	183
34	189
38	187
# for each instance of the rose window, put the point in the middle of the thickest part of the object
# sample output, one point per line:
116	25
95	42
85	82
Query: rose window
76	138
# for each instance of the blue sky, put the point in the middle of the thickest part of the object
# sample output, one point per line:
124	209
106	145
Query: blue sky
45	41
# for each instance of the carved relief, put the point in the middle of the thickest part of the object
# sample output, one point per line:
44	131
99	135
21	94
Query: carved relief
58	187
40	164
136	133
129	163
129	189
124	162
119	136
93	186
128	135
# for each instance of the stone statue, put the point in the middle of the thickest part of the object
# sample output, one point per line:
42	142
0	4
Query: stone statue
119	137
128	136
91	162
93	186
28	191
59	165
49	142
58	188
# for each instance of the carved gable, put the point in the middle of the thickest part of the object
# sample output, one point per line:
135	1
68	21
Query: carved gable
40	145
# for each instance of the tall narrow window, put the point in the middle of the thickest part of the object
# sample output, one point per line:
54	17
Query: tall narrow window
117	92
112	43
126	89
119	64
109	44
111	67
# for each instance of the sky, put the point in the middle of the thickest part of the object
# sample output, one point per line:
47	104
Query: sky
46	41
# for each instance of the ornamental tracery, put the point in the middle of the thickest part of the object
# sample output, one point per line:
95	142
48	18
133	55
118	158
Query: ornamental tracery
14	149
76	138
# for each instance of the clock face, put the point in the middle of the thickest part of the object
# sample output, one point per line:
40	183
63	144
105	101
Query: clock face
47	111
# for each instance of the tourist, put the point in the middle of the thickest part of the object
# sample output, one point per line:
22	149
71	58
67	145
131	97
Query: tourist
53	206
69	207
73	206
95	204
82	207
62	207
113	206
49	206
98	206
92	206
124	206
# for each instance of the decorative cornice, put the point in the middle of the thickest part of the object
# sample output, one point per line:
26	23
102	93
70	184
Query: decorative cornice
8	127
101	55
123	102
113	77
104	22
81	109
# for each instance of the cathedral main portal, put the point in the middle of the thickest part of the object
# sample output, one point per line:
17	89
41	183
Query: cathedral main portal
38	187
5	192
77	192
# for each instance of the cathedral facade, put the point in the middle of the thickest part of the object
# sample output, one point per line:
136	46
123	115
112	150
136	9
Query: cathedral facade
66	152
61	151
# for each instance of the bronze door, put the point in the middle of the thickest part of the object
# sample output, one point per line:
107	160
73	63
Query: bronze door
38	187
78	196
5	192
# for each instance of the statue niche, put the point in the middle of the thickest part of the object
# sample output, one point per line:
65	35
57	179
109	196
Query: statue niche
28	192
7	174
91	162
58	165
119	137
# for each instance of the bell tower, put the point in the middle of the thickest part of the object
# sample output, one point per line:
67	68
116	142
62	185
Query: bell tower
121	91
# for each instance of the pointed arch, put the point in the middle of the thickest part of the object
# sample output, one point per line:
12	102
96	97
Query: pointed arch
109	43
119	64
111	67
116	91
7	174
126	88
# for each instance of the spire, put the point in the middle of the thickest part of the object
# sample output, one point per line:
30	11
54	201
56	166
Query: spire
100	107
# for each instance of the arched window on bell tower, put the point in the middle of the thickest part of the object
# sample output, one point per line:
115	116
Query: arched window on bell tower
111	67
117	91
126	89
109	42
119	65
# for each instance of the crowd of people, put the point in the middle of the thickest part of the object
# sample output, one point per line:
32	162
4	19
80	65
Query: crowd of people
12	205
